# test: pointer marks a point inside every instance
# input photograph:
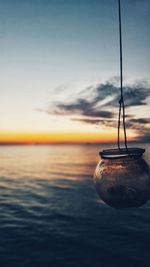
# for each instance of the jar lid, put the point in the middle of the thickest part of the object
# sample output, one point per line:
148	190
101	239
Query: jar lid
122	153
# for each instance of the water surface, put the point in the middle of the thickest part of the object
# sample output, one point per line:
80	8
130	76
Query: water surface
50	214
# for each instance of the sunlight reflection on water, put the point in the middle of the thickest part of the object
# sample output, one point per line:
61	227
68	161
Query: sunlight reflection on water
47	161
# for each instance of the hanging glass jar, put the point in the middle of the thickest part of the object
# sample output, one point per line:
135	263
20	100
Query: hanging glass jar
123	181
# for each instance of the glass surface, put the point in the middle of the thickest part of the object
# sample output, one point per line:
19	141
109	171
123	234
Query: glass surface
123	183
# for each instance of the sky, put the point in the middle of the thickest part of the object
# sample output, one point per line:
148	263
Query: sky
59	65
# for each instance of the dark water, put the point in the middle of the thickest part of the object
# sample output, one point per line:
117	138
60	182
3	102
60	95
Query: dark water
50	214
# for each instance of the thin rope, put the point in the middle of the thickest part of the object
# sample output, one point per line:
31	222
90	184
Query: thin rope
121	101
119	116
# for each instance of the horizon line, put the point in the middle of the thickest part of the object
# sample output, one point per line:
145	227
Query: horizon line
66	143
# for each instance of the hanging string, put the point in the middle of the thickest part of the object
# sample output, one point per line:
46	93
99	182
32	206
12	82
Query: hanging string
121	101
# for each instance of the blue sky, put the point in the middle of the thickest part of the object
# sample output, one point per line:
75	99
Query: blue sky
52	49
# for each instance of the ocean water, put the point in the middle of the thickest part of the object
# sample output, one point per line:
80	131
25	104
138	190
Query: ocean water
51	216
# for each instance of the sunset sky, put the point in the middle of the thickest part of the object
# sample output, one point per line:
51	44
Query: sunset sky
59	65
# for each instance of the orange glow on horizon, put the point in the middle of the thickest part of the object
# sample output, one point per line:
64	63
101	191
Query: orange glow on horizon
55	138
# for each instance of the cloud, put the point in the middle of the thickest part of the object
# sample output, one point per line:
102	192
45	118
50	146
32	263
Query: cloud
81	107
143	135
135	95
99	100
98	104
145	138
141	126
108	122
137	124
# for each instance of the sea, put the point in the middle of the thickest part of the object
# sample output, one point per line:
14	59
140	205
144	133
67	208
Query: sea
51	215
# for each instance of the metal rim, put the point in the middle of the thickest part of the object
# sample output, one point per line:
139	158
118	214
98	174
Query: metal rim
122	153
